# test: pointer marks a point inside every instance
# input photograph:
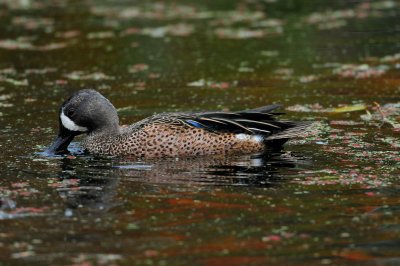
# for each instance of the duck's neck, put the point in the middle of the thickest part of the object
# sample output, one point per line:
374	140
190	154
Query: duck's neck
103	141
112	129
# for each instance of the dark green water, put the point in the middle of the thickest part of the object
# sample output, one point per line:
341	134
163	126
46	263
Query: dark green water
331	198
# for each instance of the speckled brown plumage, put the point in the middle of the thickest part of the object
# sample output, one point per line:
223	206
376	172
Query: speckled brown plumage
163	140
170	134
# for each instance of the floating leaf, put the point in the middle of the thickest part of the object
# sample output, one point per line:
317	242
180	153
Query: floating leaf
349	108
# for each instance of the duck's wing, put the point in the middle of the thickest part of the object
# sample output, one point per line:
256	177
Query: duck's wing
259	121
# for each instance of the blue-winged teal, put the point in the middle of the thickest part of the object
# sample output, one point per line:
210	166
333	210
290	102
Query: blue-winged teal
169	134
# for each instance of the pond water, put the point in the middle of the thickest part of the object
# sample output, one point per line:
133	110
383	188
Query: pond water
329	198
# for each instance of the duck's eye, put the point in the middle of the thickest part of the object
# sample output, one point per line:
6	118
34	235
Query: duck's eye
70	112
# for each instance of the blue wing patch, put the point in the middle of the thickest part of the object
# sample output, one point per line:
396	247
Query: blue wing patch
194	123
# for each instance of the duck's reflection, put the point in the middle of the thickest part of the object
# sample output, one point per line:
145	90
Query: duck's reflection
89	183
260	170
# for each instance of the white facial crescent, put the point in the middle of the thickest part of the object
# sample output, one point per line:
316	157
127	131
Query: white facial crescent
69	124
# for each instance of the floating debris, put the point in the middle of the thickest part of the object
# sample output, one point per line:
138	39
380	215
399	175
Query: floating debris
284	73
138	68
34	23
68	34
243	33
270	53
4	97
181	30
360	71
40	71
176	30
391	58
212	84
81	75
101	35
14	82
386	114
158	11
349	108
317	108
334	19
22	44
308	79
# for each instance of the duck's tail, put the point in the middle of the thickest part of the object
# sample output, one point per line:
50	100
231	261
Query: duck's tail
297	130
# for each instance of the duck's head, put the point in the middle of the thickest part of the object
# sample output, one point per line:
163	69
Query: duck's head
86	111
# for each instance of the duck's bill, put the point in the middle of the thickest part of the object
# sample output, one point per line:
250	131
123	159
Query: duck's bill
60	145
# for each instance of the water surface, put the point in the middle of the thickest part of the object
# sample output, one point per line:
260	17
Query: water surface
330	198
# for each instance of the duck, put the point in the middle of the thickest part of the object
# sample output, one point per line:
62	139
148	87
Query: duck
177	134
